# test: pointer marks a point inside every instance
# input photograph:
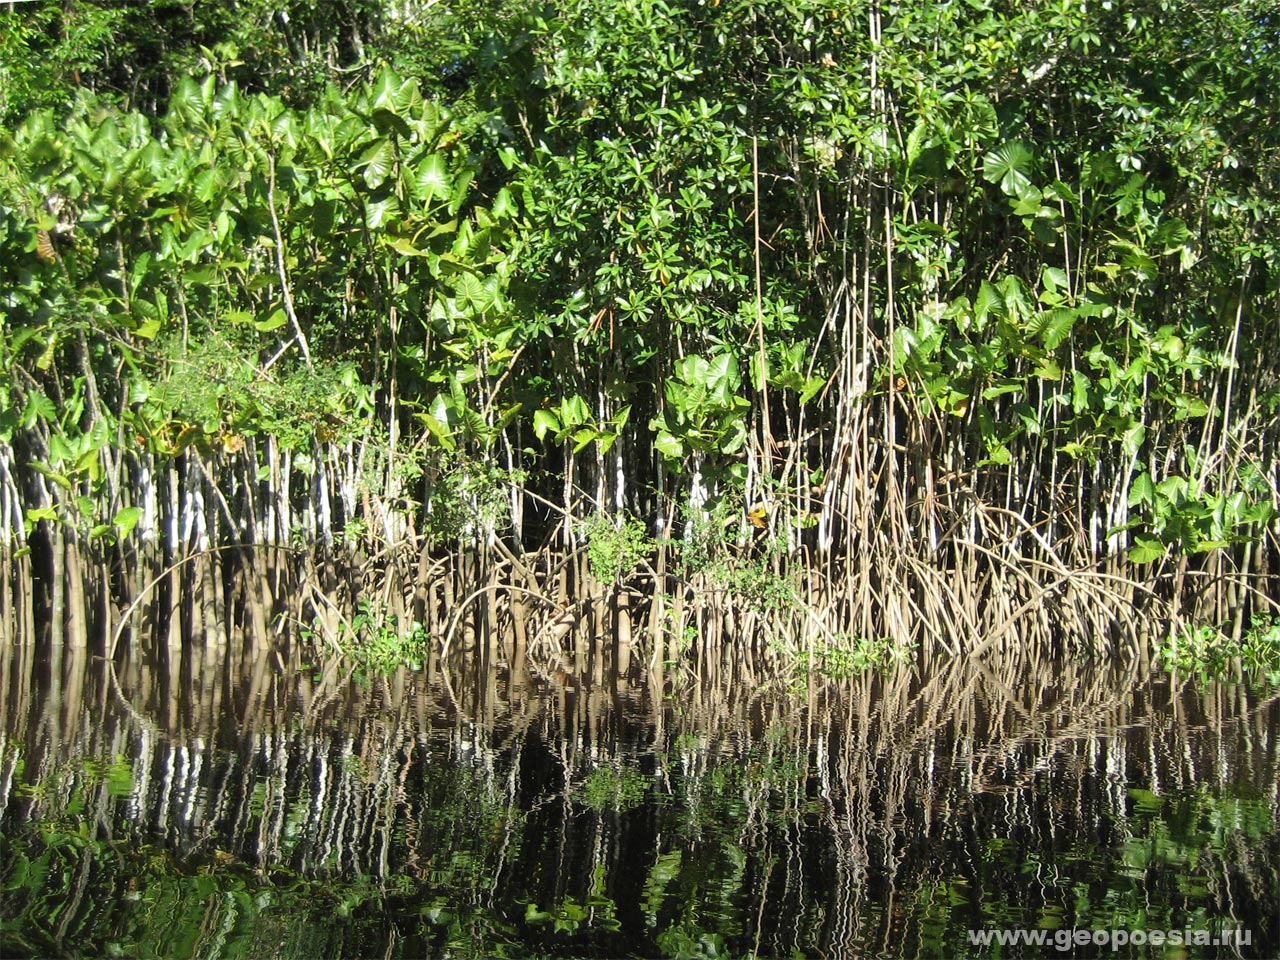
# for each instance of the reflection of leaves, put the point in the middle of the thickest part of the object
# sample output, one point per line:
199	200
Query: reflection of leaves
569	915
665	869
685	942
1144	801
533	915
610	789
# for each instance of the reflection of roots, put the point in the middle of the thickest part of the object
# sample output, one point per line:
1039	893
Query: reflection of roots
552	668
892	776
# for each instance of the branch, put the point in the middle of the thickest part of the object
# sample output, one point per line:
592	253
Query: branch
298	335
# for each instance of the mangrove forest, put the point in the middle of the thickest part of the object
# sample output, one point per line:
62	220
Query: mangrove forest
639	478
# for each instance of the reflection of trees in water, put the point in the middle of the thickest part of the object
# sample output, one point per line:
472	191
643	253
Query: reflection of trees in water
855	816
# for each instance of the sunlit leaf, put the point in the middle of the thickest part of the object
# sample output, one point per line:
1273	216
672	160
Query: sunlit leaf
1009	165
544	422
1142	490
126	519
669	446
431	179
277	319
378	161
1145	550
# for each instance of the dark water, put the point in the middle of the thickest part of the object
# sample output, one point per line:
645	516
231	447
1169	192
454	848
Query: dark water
212	805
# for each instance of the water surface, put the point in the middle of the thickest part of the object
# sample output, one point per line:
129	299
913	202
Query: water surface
247	804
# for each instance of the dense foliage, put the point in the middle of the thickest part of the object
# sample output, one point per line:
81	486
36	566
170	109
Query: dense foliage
941	280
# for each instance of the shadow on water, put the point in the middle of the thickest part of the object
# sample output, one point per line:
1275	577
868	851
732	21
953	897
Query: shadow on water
245	803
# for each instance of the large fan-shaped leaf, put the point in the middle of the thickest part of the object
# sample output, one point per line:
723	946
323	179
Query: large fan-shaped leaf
408	98
209	183
194	213
461	190
1017	302
1053	326
1010	166
383	211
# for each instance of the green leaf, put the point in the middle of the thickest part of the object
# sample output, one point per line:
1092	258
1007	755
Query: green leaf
1189	405
1009	166
19	337
59	449
387	122
1131	443
1000	389
383	212
1079	392
437	422
36	514
736	438
905	342
37	407
669	446
1145	801
1056	327
1048	369
503	205
126	519
722	374
998	454
1145	550
544	421
378	161
275	321
405	248
574	411
533	915
811	388
1260	512
1053	279
987	303
471	292
431	179
148	330
1142	490
1171	236
50	474
1017	303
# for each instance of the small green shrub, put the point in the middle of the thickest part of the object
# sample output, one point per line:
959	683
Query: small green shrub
372	639
615	546
467	497
1210	652
710	549
851	656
